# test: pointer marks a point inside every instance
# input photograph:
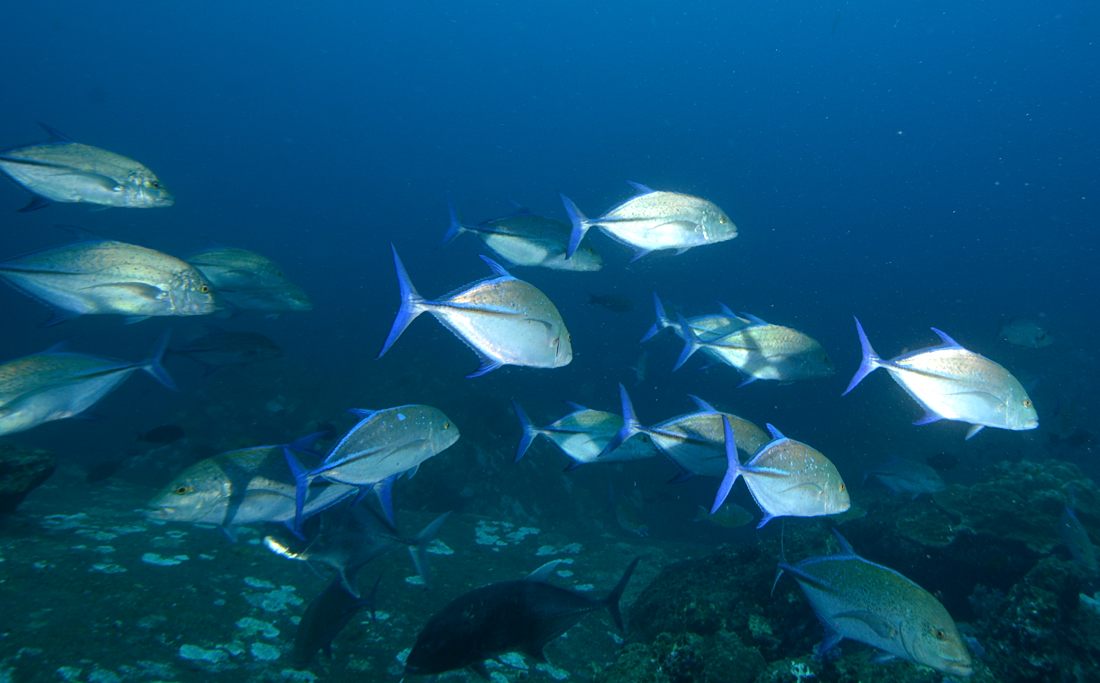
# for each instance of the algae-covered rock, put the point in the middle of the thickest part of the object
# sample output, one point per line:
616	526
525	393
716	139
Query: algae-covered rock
21	471
721	657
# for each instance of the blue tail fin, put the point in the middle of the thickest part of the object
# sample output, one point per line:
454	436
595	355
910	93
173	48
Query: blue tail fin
410	304
153	365
580	225
691	341
630	424
301	487
529	431
662	319
455	228
870	362
733	467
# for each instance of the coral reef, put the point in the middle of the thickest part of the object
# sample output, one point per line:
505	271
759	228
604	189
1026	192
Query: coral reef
21	471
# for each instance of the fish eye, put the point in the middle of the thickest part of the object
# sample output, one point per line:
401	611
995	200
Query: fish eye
205	289
1027	402
939	634
182	490
446	425
843	487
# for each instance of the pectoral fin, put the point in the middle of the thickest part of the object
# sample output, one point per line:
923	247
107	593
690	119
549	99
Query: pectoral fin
877	623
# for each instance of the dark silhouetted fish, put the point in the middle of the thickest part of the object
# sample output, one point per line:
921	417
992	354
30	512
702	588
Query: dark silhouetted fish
612	302
508	616
163	434
223	348
325	617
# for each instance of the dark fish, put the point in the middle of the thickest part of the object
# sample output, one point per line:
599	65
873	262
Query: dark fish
1076	539
223	348
612	302
164	434
508	616
325	617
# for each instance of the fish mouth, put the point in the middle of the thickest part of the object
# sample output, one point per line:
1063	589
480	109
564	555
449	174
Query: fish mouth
155	512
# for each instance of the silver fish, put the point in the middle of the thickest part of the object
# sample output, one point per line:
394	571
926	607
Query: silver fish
706	327
953	383
108	277
907	477
249	281
1075	536
786	478
56	384
505	320
654	220
761	350
858	599
526	239
583	435
381	446
61	170
693	441
245	486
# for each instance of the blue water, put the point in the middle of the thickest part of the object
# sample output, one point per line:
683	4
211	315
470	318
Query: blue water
928	164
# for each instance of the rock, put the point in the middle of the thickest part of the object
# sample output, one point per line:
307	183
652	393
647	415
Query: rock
21	471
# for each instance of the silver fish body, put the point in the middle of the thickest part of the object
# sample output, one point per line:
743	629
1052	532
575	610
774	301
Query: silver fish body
860	600
54	385
505	320
786	478
583	435
656	220
65	171
954	383
765	351
1027	333
907	477
526	239
706	327
386	443
109	277
246	486
249	281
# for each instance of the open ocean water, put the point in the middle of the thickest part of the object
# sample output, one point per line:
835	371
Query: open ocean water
914	164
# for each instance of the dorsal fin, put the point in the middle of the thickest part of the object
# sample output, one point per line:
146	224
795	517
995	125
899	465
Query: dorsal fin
641	189
55	134
946	339
496	267
776	434
702	405
845	546
543	573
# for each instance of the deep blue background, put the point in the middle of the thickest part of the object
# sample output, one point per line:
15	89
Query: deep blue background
917	164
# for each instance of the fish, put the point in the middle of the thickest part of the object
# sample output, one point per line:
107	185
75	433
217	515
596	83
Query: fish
761	350
383	445
60	170
706	327
867	602
350	536
508	616
693	441
526	239
108	277
907	477
244	486
953	383
655	220
1027	333
218	348
582	435
1077	541
729	516
611	302
247	281
504	320
162	434
57	384
786	478
325	617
